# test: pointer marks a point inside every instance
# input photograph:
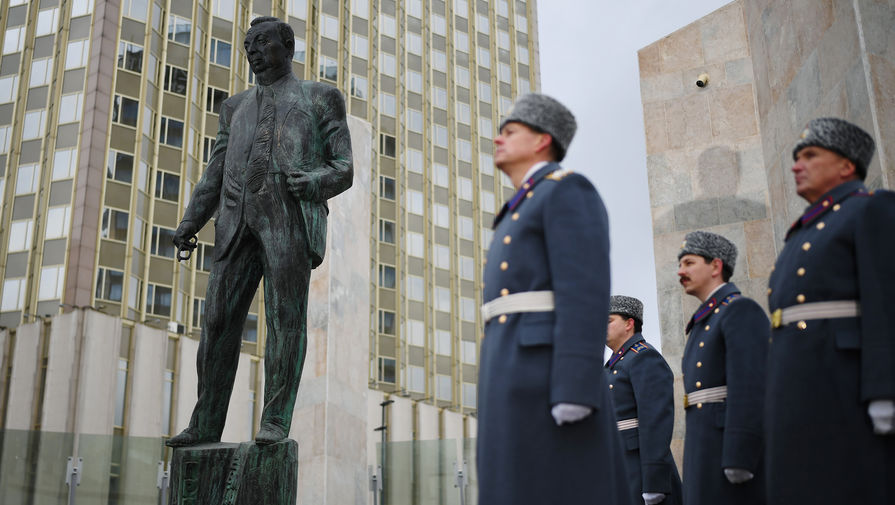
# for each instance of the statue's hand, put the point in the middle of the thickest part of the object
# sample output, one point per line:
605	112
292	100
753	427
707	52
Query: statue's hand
185	239
301	185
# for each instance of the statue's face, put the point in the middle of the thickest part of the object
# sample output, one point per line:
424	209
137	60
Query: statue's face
264	48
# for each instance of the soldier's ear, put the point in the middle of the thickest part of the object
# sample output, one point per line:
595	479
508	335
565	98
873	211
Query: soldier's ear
847	170
717	267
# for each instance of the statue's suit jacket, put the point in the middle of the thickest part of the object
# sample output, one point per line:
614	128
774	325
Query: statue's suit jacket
311	136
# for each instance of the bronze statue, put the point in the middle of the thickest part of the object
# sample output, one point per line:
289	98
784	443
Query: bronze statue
282	150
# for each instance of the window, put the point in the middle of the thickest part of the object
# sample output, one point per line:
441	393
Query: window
469	391
486	162
70	108
414	81
522	54
484	57
466	228
467	309
482	23
358	87
461	41
109	284
441	175
464	150
214	99
387	64
52	279
503	8
463	112
386	145
76	54
125	111
329	68
134	9
47	22
179	29
14	41
415	120
443	342
414	159
484	92
171	132
415	290
468	352
206	256
441	136
27	179
486	127
175	80
503	39
222	9
386	231
162	242
439	97
329	27
250	328
41	72
504	72
299	8
388	104
386	187
416	332
464	188
442	215
114	224
524	85
301	50
415	8
386	276
167	186
9	87
443	387
21	233
415	244
416	378
198	312
58	222
462	75
439	60
139	227
158	300
387	370
387	25
521	23
414	43
220	52
120	166
207	148
35	125
386	322
467	268
130	56
360	8
442	257
5	135
438	25
487	201
64	161
13	295
414	201
359	46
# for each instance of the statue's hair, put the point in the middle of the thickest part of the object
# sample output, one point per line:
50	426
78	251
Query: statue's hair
287	34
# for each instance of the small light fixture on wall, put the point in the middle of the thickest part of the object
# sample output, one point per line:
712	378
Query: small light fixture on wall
703	80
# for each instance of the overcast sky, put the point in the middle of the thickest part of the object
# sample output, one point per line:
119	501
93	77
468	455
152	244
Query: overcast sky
589	62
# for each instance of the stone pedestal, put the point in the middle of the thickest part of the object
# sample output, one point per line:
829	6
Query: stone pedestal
235	474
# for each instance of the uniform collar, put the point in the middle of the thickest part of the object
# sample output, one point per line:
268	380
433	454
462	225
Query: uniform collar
827	202
540	170
718	298
617	355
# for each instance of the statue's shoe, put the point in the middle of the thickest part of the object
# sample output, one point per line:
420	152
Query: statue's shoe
269	435
187	438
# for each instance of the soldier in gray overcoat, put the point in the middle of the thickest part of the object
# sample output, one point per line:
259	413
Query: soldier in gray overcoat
546	429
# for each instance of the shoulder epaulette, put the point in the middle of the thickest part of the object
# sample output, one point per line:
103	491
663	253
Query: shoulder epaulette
558	175
639	346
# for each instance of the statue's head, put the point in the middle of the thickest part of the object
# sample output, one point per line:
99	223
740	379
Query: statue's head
269	46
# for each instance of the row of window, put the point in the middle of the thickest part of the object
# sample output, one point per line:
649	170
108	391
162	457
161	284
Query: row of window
415	381
415	334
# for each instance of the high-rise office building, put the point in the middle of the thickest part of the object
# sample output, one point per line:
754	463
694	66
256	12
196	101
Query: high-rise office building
109	110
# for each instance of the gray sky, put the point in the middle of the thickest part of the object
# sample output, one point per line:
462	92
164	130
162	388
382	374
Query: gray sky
589	62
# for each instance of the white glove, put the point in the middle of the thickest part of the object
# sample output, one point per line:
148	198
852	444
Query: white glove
882	413
653	498
566	413
737	475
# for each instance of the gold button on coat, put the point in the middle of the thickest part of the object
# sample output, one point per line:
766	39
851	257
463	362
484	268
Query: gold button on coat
504	265
507	239
806	246
800	298
529	194
699	405
836	207
702	344
707	327
770	290
502	319
699	364
802	325
800	272
504	292
821	225
515	216
698	384
717	310
610	386
615	372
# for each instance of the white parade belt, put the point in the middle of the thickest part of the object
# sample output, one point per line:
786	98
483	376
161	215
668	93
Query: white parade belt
627	424
816	310
710	395
528	301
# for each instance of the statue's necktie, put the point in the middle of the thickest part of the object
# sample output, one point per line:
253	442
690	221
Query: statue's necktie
259	161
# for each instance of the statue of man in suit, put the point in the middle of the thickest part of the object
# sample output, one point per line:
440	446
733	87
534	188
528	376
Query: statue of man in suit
282	150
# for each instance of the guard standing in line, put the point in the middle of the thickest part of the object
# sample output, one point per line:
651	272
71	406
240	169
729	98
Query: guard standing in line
642	390
831	364
546	429
724	373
